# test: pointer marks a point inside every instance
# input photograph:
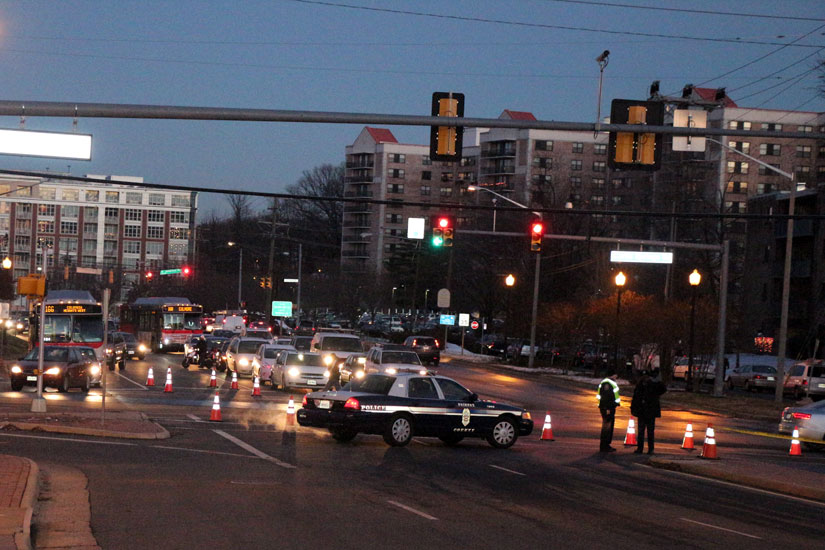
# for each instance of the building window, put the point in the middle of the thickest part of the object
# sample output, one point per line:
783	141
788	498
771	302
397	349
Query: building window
446	192
743	146
735	207
764	171
803	151
90	228
90	212
110	231
821	153
599	166
131	231
109	248
89	246
45	226
772	127
157	199
45	243
543	162
155	215
22	241
600	148
597	200
762	188
68	245
397	158
426	160
69	211
48	193
393	218
739	125
134	198
805	129
92	196
397	188
619	183
133	215
737	187
45	210
111	213
737	167
154	232
112	197
575	165
177	250
772	149
179	233
544	145
578	147
179	217
180	200
620	200
576	182
154	249
425	190
23	227
599	184
72	195
131	247
68	228
395	173
426	175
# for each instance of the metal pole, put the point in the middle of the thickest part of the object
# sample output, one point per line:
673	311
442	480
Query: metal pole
39	403
240	275
105	367
298	297
531	360
690	375
616	332
269	269
786	294
719	379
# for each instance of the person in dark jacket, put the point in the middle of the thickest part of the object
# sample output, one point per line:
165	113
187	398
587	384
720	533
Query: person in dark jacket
609	399
646	407
201	346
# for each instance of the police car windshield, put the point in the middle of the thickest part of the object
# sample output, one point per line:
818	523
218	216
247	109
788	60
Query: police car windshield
372	383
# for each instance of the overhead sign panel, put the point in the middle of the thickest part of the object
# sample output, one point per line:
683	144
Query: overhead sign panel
45	144
689	118
415	228
638	257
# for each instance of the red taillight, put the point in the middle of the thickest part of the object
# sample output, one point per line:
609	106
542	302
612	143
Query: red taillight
804	382
803	416
758	377
352	404
436	344
304	402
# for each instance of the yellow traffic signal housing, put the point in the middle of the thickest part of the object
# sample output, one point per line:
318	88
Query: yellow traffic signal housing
446	142
636	150
443	229
536	233
32	285
448	236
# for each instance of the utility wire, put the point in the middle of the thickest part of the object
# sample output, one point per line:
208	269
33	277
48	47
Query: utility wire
686	10
544	25
767	76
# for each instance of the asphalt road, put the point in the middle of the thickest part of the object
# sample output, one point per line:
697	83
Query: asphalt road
252	481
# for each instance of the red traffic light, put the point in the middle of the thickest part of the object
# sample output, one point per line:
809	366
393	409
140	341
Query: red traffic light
443	222
186	271
537	228
149	274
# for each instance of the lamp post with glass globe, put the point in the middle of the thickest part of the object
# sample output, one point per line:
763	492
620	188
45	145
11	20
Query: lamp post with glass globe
620	280
694	279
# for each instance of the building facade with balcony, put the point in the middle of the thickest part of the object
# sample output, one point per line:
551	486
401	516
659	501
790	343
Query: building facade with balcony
65	228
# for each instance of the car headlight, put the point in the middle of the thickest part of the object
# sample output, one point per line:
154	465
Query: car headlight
362	360
108	351
244	362
16	369
52	371
326	374
359	374
391	370
95	370
166	340
294	371
141	347
19	326
328	359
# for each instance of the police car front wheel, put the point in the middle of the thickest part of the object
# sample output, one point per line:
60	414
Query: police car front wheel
504	434
399	430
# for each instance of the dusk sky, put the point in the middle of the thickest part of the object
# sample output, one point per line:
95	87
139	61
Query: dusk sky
375	57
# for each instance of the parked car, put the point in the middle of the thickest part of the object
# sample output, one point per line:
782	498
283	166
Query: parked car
797	378
816	382
296	369
810	419
264	360
392	361
426	347
704	368
752	377
63	368
240	353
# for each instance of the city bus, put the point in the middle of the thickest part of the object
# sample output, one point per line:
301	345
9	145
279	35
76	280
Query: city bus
73	318
163	323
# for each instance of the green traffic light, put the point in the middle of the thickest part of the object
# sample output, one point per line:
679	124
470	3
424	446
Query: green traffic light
438	241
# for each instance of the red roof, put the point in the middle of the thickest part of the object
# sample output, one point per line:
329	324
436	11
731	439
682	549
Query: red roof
518	115
709	94
381	135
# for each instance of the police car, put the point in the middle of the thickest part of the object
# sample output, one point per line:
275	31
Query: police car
404	405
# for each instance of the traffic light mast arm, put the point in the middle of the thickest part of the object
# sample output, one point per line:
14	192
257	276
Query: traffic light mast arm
757	161
508	199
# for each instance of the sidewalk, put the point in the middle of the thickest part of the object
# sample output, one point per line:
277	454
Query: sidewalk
18	494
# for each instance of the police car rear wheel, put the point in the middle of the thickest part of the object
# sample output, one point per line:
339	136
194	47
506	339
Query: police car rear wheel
399	431
503	435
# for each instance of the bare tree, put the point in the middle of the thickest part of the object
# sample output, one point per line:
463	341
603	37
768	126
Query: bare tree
322	219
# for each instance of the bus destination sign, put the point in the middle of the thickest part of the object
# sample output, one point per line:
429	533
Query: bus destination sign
73	308
182	309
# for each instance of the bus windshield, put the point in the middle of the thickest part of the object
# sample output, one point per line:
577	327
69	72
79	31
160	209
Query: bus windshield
65	328
181	321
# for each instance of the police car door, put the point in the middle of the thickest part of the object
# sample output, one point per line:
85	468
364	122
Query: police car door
426	406
463	415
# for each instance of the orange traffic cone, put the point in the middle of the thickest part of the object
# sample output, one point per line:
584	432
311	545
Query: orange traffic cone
709	445
215	416
687	442
630	437
290	412
256	388
150	378
234	385
213	381
796	449
547	431
168	388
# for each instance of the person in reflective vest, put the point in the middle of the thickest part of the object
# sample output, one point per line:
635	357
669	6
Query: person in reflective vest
609	399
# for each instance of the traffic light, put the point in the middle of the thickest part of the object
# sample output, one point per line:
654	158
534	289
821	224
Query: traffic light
536	233
446	141
443	228
186	271
636	150
262	282
266	282
149	275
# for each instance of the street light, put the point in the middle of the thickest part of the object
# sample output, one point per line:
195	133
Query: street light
620	281
694	279
7	263
240	270
509	281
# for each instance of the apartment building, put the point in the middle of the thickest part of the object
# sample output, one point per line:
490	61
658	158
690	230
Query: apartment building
50	224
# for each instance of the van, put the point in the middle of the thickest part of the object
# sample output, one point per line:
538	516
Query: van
335	347
816	381
798	377
227	321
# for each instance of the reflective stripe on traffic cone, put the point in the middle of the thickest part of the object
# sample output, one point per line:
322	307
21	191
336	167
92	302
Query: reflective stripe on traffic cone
168	388
256	388
215	416
150	378
290	412
796	448
213	380
630	437
709	445
687	442
234	385
547	431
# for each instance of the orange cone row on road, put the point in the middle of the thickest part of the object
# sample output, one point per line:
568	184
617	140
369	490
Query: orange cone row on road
234	385
150	378
215	416
709	445
547	431
687	442
796	448
290	412
630	437
213	380
256	388
168	388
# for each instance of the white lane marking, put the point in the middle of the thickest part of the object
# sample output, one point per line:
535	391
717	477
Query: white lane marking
72	439
506	470
203	451
721	528
729	484
412	510
193	417
141	386
253	450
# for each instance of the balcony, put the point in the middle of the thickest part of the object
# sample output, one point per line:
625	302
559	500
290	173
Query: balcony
369	163
366	177
507	169
499	150
357	237
362	194
801	228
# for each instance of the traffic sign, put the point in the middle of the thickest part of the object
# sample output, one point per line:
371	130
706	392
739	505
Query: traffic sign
464	319
474	325
281	309
446	319
443	298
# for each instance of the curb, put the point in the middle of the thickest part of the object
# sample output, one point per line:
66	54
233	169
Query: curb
23	538
98	432
696	467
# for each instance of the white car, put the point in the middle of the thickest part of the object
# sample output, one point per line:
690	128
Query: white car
264	360
391	361
241	352
296	369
